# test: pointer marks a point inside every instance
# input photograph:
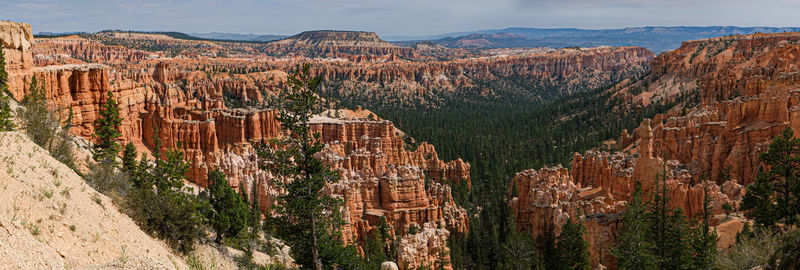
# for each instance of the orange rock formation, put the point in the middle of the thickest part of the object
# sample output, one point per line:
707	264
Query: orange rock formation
743	92
186	100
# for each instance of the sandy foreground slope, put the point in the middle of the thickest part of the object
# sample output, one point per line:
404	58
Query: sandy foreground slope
51	219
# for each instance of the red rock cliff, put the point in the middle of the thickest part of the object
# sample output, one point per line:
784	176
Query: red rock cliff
744	94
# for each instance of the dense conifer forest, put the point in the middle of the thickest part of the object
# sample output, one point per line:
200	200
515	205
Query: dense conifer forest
504	134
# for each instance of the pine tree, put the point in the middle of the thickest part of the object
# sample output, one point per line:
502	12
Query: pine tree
3	73
572	249
159	202
170	170
519	252
787	256
374	245
774	197
38	121
62	151
129	158
6	124
442	260
255	211
668	228
728	208
632	248
107	130
703	241
229	213
308	219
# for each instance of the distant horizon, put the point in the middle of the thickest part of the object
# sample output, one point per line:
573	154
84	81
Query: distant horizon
465	32
389	18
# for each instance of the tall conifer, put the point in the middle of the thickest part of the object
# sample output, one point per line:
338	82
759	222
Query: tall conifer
107	130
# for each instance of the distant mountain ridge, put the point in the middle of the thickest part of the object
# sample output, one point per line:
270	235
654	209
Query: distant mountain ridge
237	36
655	38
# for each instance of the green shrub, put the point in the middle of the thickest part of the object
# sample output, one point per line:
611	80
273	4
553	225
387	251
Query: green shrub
107	179
788	255
749	251
229	213
38	121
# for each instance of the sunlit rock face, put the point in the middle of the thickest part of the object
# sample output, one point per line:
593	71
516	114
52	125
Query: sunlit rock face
744	91
182	100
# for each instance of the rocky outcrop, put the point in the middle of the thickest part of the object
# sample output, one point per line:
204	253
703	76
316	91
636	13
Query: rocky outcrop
16	39
734	93
353	45
566	71
745	92
425	249
186	102
75	49
547	198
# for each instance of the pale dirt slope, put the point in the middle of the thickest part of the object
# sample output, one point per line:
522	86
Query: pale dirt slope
51	219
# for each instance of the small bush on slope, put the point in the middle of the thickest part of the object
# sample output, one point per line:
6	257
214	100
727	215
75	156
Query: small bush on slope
788	255
42	125
749	252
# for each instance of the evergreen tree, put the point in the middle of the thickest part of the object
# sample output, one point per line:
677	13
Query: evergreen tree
703	241
572	249
3	74
255	212
169	171
546	243
62	150
773	198
5	109
159	202
374	245
632	248
229	213
129	158
668	229
442	260
107	130
308	219
728	208
787	256
6	123
519	252
39	122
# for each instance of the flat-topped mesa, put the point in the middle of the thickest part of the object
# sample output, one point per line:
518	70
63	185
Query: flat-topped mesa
331	37
353	45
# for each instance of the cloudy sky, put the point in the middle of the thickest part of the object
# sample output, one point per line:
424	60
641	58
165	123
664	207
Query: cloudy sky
389	17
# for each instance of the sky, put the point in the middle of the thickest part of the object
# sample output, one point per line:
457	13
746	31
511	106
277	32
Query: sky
389	18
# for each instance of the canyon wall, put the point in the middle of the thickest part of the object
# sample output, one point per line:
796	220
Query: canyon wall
16	39
184	101
741	92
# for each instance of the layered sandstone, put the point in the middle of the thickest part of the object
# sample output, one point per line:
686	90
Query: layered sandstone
597	187
186	102
337	44
16	45
734	93
209	98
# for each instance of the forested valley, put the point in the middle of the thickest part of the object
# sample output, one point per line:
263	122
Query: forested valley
501	135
